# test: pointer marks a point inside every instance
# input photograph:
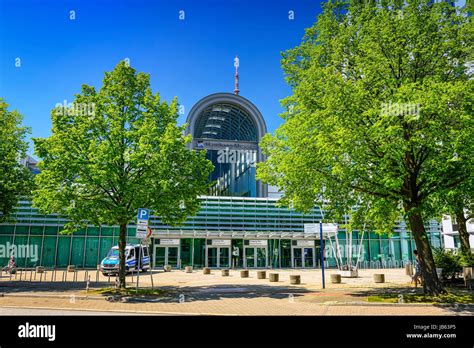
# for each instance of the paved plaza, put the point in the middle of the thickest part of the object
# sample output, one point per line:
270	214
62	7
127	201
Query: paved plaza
199	294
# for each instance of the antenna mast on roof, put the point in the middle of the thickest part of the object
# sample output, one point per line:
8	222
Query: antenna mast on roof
236	64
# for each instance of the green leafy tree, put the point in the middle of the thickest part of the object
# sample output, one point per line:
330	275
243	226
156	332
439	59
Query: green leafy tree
14	177
459	203
380	118
114	151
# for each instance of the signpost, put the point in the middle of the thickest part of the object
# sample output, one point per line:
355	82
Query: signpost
324	228
142	233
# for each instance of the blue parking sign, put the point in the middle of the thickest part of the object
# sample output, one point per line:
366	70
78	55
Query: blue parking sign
143	214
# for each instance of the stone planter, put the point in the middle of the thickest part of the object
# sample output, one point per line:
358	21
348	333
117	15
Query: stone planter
167	268
206	270
39	269
261	274
71	268
336	278
409	269
349	274
225	272
188	269
273	277
244	273
295	279
379	278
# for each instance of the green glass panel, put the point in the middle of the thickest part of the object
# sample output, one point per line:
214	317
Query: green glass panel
36	230
49	251
51	230
105	246
22	230
93	231
77	256
92	247
64	243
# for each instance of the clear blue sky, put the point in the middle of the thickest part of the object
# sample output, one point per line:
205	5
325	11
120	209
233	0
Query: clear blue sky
188	58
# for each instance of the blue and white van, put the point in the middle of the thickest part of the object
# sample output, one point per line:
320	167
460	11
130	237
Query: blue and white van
110	264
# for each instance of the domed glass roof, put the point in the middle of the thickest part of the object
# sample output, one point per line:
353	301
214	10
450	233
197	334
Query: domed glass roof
227	122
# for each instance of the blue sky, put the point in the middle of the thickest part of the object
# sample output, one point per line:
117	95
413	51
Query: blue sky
188	58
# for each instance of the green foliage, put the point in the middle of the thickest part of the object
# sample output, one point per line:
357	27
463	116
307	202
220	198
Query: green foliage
448	261
380	118
466	259
101	166
15	179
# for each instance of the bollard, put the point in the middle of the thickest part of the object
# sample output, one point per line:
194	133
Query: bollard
273	277
244	273
225	272
335	278
88	284
379	278
261	274
206	270
295	279
86	276
97	276
188	269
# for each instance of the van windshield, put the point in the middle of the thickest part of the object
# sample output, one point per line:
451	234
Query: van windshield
113	253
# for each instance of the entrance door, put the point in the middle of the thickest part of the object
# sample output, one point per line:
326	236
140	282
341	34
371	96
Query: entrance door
255	257
303	257
166	255
217	257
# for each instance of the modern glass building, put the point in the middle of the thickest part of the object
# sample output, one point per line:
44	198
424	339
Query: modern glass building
238	224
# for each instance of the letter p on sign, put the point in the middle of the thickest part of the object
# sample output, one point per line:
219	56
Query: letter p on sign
143	214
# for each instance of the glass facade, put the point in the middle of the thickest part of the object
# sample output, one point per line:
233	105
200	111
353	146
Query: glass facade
265	235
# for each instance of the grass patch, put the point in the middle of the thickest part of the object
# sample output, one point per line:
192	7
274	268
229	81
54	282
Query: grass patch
127	292
460	297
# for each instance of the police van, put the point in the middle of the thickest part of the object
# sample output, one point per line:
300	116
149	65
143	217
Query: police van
110	264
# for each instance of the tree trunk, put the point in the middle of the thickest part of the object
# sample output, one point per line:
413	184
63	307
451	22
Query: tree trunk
431	284
462	228
122	242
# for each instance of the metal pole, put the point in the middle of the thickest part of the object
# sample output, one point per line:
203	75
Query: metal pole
321	249
137	264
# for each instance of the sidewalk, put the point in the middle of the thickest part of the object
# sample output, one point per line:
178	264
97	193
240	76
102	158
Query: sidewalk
198	294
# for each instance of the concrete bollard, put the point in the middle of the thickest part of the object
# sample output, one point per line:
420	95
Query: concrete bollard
273	277
206	270
225	272
261	274
295	279
188	269
379	278
409	269
336	278
244	273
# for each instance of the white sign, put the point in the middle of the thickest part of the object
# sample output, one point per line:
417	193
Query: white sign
311	228
305	243
219	242
329	228
257	242
169	242
141	232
